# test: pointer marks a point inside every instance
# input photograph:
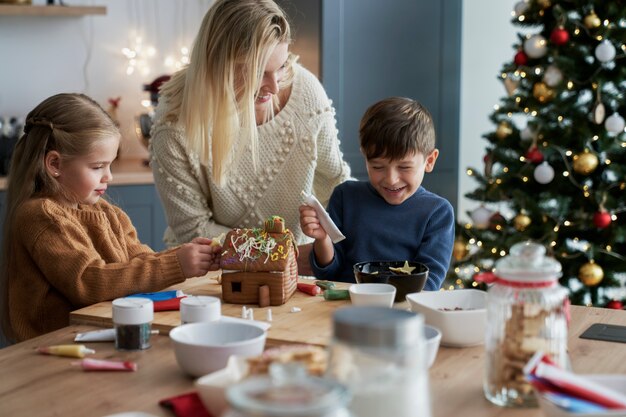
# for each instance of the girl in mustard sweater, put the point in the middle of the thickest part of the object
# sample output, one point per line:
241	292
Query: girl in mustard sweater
64	247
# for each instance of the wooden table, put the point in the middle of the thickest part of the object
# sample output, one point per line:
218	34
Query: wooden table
312	324
37	385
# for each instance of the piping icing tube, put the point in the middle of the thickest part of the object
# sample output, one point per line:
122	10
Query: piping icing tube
105	365
104	335
327	223
73	351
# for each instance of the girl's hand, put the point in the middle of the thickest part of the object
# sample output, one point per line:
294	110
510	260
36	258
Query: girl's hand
310	223
198	257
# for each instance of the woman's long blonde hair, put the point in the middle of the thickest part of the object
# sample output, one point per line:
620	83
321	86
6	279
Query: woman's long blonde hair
213	97
67	123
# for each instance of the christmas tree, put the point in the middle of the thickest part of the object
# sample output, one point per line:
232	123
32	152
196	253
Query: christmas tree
555	164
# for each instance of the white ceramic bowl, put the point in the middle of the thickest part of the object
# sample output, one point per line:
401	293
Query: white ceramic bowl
461	315
432	335
205	347
372	294
614	382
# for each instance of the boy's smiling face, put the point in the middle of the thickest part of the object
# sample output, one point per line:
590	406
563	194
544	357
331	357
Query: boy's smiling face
397	180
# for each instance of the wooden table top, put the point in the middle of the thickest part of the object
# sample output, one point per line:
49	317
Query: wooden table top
33	384
287	326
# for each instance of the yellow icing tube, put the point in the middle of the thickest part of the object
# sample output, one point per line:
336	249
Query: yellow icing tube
73	351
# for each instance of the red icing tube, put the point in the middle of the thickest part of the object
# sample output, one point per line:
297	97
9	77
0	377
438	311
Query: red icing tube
310	289
105	365
168	305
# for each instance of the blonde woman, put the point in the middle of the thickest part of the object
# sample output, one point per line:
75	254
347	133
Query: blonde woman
244	129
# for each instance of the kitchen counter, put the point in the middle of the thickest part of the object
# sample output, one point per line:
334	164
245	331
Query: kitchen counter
126	171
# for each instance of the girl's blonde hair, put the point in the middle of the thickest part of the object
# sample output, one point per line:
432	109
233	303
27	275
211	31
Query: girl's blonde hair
213	97
70	124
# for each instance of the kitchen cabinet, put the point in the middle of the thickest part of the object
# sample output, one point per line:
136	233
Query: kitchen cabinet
373	49
67	11
140	202
367	50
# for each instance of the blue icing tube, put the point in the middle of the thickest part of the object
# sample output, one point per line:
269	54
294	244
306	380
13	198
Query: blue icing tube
159	296
573	404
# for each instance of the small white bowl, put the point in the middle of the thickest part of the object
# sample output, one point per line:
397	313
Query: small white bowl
461	315
205	347
372	294
432	336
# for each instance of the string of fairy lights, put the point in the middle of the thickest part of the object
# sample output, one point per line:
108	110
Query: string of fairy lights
144	22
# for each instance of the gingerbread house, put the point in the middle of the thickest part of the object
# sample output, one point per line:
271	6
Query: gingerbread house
259	266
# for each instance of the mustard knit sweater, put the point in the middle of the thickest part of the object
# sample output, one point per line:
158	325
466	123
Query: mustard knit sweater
63	259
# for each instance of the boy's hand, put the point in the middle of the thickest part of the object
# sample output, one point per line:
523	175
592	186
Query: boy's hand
199	257
310	223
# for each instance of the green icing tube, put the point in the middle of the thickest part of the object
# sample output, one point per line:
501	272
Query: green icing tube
332	294
325	285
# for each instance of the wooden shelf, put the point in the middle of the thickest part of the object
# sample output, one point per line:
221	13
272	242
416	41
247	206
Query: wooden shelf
28	10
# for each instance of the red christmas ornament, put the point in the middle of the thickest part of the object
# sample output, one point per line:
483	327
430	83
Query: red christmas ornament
496	220
520	58
602	219
534	155
615	304
559	36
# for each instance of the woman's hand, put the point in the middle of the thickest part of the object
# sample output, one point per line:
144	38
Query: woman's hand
198	257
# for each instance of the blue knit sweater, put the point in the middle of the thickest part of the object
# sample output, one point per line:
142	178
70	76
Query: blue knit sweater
420	229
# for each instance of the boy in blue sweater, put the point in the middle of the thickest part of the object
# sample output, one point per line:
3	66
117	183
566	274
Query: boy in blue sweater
391	216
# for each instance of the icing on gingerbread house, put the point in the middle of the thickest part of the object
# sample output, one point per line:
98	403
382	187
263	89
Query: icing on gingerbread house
259	266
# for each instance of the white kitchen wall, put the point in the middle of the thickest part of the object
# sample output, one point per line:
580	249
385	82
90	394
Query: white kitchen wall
43	55
488	38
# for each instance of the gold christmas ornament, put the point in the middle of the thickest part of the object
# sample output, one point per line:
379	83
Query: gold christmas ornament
542	92
459	250
592	20
510	85
585	163
590	274
503	130
521	222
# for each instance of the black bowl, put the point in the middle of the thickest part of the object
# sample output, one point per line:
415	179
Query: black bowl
378	272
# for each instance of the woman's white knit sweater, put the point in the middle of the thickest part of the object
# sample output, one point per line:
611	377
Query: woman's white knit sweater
298	151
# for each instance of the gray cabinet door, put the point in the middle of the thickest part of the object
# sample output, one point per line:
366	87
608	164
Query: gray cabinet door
372	49
142	204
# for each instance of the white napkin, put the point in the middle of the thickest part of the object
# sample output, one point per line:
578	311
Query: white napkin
327	223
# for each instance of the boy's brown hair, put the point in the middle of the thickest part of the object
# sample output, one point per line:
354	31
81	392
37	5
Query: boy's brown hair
395	127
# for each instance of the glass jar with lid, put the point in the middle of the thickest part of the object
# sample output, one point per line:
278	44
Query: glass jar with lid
287	391
527	312
379	353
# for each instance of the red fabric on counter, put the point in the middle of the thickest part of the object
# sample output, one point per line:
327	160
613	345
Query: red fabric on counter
185	405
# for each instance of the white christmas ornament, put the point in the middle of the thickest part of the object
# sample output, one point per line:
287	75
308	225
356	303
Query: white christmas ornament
527	134
553	76
520	8
605	51
480	216
544	173
614	123
535	46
